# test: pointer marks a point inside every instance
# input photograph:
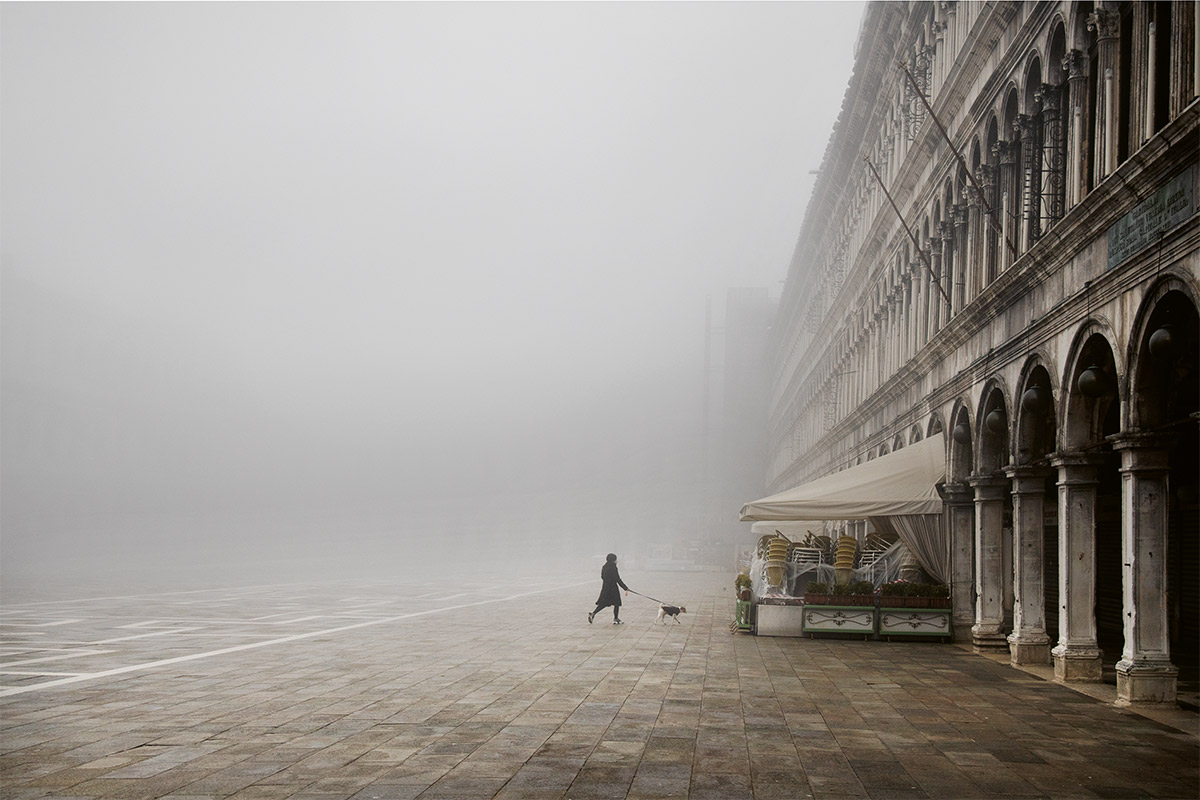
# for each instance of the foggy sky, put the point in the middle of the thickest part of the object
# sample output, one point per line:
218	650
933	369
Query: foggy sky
316	277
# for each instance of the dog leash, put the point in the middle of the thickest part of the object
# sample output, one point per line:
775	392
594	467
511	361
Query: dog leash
648	597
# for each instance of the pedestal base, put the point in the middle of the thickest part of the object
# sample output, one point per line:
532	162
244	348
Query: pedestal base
988	640
1077	665
1029	649
1146	683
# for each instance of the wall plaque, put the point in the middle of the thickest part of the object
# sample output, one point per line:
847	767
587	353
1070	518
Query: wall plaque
1166	208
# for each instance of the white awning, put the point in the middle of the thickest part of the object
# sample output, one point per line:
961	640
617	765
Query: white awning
793	529
903	482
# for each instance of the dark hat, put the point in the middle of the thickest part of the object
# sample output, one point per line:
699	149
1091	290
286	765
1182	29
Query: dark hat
612	557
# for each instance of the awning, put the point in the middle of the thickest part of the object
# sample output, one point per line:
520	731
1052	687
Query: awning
793	529
902	482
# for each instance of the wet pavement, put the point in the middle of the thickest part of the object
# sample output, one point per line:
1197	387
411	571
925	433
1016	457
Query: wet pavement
381	690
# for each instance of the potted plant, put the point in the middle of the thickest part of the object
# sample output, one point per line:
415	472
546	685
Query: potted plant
907	594
741	585
855	593
817	594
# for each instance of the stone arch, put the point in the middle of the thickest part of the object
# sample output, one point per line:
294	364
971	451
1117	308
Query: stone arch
1032	80
1056	50
991	439
1087	418
935	424
962	459
914	434
898	442
1010	107
1081	38
884	449
1036	428
1163	413
1162	357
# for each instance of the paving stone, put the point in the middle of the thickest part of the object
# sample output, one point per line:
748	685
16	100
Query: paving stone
502	700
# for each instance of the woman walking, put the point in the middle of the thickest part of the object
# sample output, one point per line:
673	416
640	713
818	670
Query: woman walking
610	595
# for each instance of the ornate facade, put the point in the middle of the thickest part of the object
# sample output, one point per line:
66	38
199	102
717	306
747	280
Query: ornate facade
1003	245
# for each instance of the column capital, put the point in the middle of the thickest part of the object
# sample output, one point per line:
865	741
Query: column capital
956	494
1027	479
986	175
1006	151
1141	452
1075	64
1047	95
1077	468
988	487
1106	23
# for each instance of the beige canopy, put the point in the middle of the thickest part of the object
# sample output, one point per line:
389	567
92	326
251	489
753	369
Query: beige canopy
793	529
901	483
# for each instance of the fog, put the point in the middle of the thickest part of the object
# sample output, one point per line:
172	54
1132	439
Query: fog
326	288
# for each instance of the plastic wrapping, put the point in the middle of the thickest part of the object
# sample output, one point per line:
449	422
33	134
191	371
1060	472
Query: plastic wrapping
877	566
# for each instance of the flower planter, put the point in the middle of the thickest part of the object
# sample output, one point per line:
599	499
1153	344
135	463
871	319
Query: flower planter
914	622
839	613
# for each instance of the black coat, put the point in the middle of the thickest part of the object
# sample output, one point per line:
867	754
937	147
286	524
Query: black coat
610	595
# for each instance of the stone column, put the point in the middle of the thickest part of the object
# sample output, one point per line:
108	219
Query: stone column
1075	64
989	255
919	312
988	631
975	246
1145	673
935	286
962	263
959	503
1028	643
951	51
949	267
1006	155
1106	23
922	316
1077	656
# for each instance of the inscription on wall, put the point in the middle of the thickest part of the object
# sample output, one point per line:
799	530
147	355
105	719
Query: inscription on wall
1169	206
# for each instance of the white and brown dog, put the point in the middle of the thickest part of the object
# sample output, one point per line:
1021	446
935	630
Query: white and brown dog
673	612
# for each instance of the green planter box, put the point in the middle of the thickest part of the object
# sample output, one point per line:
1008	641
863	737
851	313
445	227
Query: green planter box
914	622
858	620
742	615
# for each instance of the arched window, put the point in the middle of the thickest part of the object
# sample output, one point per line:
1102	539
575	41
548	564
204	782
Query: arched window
989	179
1030	127
1128	137
1053	98
1010	181
1158	100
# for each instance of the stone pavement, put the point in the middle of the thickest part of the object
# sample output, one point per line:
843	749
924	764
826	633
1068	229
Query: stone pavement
378	690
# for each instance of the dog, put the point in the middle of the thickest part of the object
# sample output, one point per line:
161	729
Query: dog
673	612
